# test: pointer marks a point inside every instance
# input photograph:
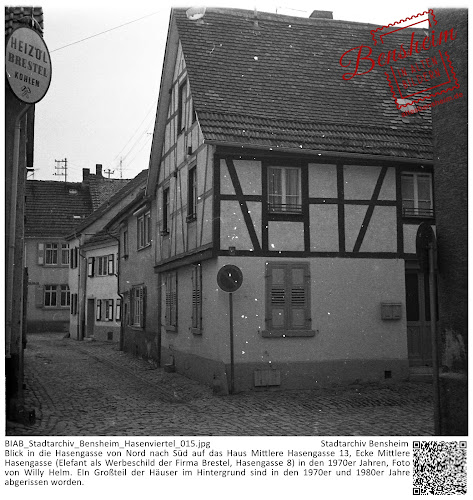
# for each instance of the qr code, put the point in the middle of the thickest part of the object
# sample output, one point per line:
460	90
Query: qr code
439	468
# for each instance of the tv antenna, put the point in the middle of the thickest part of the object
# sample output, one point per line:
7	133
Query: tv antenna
61	168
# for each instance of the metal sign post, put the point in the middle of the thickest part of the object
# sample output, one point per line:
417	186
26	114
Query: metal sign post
229	279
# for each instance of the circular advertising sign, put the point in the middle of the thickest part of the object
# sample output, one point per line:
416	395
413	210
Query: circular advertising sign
229	278
27	65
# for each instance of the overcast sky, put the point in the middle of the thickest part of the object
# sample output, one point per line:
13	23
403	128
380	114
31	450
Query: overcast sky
101	105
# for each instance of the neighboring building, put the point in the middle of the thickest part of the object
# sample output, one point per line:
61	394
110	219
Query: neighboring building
103	308
19	149
53	209
138	285
450	133
92	271
265	158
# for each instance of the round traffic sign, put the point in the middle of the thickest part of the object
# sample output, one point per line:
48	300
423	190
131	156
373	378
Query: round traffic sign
229	278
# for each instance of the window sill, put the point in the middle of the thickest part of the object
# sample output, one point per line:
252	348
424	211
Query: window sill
148	245
164	233
287	333
196	331
170	328
191	218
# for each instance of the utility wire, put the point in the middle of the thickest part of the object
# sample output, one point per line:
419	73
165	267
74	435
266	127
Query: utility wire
134	133
103	32
138	152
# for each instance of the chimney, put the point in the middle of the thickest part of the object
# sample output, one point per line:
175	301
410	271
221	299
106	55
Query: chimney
85	174
98	170
321	14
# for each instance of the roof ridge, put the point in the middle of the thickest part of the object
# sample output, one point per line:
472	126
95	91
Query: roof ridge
274	16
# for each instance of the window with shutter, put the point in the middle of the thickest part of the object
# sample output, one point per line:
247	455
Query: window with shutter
111	262
171	300
40	254
118	311
98	310
288	300
109	309
90	266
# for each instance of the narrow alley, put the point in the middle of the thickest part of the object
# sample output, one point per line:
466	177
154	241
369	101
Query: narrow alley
92	388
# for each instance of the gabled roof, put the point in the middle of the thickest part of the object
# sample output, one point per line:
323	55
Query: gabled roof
132	185
279	84
53	209
103	236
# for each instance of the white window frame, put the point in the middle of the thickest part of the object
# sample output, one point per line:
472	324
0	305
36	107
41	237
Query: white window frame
102	265
416	211
50	293
64	296
284	206
109	310
51	254
143	229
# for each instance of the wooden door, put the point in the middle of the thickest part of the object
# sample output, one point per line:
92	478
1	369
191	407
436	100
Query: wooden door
418	318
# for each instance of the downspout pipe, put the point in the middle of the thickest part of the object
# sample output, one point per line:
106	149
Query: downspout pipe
12	232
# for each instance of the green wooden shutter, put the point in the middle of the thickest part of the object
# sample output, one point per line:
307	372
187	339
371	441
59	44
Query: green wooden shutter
299	281
143	306
277	307
168	299
40	254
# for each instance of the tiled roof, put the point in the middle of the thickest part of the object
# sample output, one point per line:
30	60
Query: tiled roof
281	83
103	236
302	135
54	208
14	16
113	200
101	189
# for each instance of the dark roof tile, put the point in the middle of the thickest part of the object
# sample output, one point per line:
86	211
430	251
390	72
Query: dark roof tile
282	85
53	209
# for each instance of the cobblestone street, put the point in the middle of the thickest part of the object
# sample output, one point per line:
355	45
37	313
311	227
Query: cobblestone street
91	388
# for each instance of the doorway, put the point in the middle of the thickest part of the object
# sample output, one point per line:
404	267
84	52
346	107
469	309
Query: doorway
419	343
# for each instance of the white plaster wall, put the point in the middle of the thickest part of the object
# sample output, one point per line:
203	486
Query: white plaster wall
381	235
360	181
249	175
324	228
322	181
285	235
346	303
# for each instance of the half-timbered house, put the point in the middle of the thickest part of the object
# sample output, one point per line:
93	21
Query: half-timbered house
264	157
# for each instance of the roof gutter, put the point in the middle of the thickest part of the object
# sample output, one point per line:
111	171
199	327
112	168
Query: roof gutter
321	152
